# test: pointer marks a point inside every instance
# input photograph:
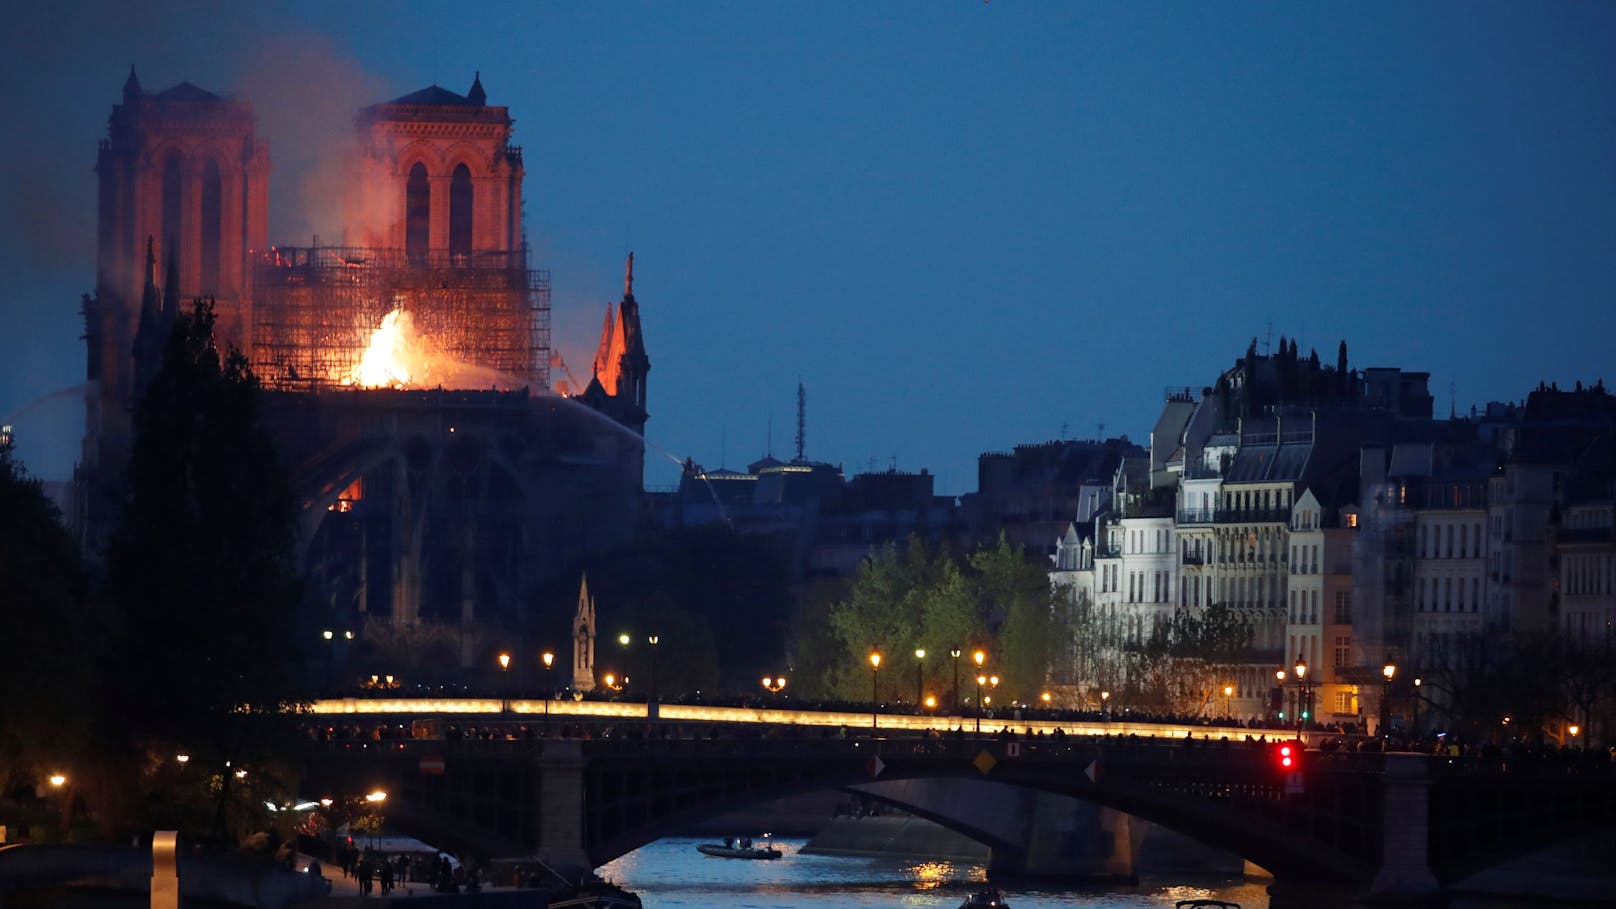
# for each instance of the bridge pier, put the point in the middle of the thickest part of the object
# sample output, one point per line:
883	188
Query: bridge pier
1068	839
1405	809
561	805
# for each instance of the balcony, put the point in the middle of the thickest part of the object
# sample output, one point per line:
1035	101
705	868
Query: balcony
1253	516
1196	516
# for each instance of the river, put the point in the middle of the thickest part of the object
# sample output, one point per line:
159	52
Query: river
671	874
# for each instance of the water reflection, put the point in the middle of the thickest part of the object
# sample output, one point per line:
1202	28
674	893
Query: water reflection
670	874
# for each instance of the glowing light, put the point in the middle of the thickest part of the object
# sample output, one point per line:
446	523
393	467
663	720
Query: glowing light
384	363
57	779
183	758
376	797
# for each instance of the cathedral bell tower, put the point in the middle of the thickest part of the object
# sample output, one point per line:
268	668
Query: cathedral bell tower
183	180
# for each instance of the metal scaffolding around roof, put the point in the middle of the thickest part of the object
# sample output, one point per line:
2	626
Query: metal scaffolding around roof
314	309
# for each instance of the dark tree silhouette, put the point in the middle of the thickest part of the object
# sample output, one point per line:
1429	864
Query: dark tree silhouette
200	571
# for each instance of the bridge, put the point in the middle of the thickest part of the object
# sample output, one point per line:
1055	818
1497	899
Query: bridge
1395	826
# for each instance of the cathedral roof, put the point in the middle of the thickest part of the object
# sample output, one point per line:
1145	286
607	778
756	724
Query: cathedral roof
435	94
185	91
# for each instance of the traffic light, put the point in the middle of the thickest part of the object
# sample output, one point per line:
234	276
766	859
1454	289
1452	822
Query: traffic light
1286	757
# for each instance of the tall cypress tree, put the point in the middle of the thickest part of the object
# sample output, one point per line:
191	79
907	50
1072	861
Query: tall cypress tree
201	569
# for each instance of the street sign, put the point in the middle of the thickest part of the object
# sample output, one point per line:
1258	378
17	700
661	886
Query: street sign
875	765
1092	771
1012	749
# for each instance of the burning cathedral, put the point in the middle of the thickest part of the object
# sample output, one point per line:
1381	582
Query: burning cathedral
407	371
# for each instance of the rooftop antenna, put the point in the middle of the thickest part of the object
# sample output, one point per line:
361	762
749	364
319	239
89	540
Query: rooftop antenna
723	443
768	451
802	419
1453	410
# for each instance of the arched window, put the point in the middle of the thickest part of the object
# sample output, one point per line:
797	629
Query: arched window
460	211
169	242
212	223
417	214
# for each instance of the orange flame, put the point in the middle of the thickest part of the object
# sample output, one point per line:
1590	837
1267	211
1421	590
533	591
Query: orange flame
385	363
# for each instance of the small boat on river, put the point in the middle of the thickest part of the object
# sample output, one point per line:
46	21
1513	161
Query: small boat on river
988	898
742	848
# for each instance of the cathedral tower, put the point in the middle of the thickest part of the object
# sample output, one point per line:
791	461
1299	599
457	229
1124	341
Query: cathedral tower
182	180
437	177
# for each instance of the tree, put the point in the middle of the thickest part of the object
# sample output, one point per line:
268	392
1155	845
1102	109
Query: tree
1018	592
51	638
201	567
1186	663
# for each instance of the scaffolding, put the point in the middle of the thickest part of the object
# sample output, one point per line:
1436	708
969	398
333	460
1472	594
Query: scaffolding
314	310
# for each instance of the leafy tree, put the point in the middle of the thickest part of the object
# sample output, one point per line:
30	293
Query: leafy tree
200	571
1185	664
51	637
1018	592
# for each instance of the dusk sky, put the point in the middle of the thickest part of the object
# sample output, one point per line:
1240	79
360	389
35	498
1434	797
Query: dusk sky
962	225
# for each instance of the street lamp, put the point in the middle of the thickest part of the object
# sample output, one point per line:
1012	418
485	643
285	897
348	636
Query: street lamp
330	652
1386	673
875	702
920	664
954	652
1279	680
774	684
1105	704
504	686
1228	701
653	640
1414	706
1302	709
931	702
549	690
993	682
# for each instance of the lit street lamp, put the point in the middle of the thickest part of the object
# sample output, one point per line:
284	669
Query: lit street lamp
955	653
1105	704
653	640
989	680
774	684
504	683
1279	680
920	664
549	690
875	701
1414	705
1303	709
1228	701
1386	673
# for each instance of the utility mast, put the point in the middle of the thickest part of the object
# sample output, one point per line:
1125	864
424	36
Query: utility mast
802	420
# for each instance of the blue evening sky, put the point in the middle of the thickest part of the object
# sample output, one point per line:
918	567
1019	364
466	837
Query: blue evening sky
962	225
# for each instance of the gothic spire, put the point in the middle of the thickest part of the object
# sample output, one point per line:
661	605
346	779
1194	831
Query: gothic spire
477	96
628	277
131	87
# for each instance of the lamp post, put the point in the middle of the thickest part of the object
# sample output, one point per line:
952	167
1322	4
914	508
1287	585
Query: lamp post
1414	706
1302	694
954	652
991	681
1386	673
504	686
549	690
1228	701
920	664
330	651
875	700
1279	680
774	684
1105	704
653	640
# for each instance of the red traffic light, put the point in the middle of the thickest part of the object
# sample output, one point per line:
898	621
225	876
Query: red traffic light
1286	757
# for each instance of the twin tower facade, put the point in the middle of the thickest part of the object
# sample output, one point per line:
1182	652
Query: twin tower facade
432	253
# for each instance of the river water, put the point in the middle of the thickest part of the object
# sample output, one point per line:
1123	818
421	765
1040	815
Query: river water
671	874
